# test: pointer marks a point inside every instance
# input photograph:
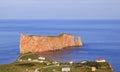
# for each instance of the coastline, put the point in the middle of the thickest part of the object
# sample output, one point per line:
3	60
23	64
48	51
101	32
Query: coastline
106	48
35	63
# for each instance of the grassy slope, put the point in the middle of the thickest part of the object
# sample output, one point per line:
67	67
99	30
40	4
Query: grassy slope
19	67
76	67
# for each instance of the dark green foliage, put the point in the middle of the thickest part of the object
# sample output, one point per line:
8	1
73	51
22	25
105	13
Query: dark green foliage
9	68
25	64
92	64
29	55
61	34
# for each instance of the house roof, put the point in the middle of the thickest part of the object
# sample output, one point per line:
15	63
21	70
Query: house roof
99	59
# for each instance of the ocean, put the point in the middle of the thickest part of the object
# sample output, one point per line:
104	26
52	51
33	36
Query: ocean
101	38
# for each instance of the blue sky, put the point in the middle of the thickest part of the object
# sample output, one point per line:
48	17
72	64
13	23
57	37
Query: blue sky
59	9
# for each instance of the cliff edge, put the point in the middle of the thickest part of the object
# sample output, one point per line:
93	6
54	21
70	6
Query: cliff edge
30	43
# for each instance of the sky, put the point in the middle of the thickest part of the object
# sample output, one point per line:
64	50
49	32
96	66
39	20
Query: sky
59	9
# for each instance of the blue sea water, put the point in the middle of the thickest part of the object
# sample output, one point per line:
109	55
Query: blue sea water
101	38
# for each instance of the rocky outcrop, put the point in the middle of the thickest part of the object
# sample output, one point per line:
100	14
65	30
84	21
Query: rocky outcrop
29	43
78	42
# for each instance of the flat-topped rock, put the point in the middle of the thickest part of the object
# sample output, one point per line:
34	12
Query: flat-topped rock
31	43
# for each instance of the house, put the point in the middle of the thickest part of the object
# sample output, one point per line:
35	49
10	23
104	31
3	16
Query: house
36	70
48	63
41	58
29	59
100	60
93	69
83	61
66	69
71	62
55	62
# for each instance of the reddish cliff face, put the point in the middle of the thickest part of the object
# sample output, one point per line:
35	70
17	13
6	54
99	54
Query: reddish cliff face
34	44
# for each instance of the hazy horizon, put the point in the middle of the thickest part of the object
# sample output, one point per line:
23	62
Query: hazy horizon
60	9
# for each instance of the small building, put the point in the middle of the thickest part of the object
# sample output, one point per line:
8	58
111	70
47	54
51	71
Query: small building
20	60
55	62
41	58
71	62
83	61
93	69
41	61
66	69
48	63
29	59
100	60
35	60
36	70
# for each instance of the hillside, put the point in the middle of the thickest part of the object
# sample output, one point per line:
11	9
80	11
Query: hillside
30	62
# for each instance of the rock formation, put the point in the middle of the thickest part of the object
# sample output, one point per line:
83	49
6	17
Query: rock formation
78	42
29	43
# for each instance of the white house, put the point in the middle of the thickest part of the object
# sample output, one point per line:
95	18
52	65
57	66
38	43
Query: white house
100	60
71	62
55	62
29	59
83	61
93	69
41	58
66	69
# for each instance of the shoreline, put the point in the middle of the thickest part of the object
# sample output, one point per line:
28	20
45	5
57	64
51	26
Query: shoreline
33	62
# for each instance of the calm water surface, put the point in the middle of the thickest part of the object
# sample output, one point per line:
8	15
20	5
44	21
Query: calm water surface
101	38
